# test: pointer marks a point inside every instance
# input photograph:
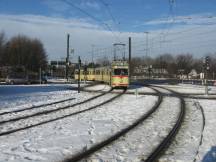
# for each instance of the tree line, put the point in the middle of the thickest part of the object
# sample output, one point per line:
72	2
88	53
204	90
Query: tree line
22	51
182	63
29	53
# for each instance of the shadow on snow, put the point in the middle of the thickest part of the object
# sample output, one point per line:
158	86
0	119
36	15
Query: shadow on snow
22	89
210	155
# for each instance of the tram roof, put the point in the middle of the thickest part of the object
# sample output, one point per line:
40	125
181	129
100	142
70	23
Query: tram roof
119	63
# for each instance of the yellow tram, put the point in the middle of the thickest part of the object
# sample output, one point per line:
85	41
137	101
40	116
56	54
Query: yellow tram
115	75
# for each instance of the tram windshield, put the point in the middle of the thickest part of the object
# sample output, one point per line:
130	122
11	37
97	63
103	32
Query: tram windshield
120	71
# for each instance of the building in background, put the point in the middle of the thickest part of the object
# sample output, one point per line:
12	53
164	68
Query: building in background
149	71
57	69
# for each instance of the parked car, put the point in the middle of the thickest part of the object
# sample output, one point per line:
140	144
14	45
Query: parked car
12	79
35	79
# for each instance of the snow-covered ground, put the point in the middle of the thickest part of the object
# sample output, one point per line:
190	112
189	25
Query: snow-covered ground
207	150
191	89
20	96
140	142
140	89
12	96
186	143
100	87
60	139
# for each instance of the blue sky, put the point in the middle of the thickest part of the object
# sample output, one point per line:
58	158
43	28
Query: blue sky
130	17
128	14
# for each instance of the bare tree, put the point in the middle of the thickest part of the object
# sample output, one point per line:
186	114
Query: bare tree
2	46
135	62
184	62
167	62
23	51
212	72
146	60
162	61
198	64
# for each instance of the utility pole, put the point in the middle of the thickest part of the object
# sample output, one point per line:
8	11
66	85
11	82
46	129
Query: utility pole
67	58
207	67
92	56
203	71
40	75
114	53
129	58
79	66
148	66
146	43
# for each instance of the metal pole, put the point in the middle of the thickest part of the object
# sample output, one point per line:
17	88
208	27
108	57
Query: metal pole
129	58
92	55
79	62
206	83
67	58
40	74
206	70
114	53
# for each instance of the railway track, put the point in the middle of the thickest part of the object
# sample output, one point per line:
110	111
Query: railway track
47	114
168	139
48	110
82	155
16	116
43	105
157	151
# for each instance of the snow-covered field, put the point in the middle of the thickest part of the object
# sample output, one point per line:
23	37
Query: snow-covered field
12	96
139	143
187	141
100	87
207	150
140	89
191	89
54	141
188	145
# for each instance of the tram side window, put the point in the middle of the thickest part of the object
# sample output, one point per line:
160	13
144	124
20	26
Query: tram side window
97	72
120	71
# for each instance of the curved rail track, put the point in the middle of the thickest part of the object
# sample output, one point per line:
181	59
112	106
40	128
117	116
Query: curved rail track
81	155
46	111
168	139
47	104
203	127
98	146
158	150
55	110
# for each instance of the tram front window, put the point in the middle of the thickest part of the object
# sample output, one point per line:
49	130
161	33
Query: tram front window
120	71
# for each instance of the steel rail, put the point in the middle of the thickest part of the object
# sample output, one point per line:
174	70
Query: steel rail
52	110
203	127
81	155
168	139
62	117
42	105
